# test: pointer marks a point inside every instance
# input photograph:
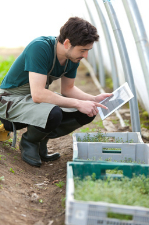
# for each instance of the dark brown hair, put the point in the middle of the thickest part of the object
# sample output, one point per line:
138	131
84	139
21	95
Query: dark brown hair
78	31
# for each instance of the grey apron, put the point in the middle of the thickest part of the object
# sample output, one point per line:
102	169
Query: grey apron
16	105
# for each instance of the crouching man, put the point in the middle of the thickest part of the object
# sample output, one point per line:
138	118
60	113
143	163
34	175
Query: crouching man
26	101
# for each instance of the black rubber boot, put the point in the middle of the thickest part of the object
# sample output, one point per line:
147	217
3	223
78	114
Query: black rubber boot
29	145
43	151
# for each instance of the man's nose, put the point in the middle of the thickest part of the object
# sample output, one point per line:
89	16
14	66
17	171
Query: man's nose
85	54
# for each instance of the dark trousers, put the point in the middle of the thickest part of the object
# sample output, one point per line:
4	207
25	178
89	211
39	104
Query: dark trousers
54	120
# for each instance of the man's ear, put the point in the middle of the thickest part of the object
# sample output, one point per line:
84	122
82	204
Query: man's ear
67	44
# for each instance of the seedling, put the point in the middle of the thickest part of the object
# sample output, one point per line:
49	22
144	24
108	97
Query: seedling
63	202
126	122
123	191
1	157
60	184
40	200
2	178
11	170
99	137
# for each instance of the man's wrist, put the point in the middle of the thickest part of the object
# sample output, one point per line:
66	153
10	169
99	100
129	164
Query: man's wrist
94	98
76	103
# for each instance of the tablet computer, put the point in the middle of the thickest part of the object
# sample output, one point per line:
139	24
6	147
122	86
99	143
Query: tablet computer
120	96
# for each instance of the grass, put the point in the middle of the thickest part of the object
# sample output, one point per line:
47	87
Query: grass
124	191
5	66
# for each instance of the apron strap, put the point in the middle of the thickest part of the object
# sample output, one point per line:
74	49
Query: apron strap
54	60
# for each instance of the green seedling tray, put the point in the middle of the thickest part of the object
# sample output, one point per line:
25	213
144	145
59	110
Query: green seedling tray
94	213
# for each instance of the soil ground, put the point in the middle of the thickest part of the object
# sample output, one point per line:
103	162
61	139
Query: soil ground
29	195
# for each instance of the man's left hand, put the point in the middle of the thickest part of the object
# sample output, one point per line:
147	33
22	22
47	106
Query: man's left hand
102	96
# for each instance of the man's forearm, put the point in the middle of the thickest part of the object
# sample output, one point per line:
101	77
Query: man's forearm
48	96
78	94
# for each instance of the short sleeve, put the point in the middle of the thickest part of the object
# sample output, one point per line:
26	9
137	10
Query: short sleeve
37	57
72	72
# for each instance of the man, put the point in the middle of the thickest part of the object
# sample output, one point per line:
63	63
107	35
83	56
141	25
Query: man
26	101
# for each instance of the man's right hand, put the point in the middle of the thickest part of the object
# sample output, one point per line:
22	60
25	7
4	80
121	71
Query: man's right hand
89	107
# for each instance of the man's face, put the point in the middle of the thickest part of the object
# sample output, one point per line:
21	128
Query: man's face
75	54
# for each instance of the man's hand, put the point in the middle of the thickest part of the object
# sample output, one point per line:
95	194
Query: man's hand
102	96
89	107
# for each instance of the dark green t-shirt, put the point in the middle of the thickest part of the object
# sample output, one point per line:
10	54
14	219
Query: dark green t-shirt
37	57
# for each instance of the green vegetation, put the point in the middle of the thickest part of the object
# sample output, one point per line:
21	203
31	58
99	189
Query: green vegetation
119	216
2	178
60	184
109	82
126	160
127	123
124	191
11	170
99	137
63	202
5	66
99	123
144	118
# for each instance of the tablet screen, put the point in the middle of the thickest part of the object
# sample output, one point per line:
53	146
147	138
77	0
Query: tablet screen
120	96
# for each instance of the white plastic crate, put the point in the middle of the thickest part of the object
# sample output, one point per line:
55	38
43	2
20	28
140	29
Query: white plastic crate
136	151
95	213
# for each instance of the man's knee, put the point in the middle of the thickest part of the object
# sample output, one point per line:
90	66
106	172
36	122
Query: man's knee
82	118
55	115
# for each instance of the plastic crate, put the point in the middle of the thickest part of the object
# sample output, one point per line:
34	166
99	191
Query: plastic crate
90	151
98	151
95	213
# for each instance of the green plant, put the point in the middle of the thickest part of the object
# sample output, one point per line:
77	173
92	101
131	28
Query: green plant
60	184
84	130
40	200
109	82
126	122
93	176
2	178
11	170
1	157
99	137
115	121
63	202
99	123
124	191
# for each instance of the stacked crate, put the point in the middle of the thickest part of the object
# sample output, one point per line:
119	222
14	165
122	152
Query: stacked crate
91	157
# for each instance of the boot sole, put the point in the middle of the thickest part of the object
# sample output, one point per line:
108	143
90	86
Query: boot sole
57	156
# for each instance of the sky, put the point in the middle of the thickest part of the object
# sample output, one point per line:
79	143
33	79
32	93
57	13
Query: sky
23	20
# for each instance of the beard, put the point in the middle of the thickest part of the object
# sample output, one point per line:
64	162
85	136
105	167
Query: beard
73	59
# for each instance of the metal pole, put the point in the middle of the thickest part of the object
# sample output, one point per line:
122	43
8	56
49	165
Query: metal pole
93	60
109	45
100	58
135	119
140	36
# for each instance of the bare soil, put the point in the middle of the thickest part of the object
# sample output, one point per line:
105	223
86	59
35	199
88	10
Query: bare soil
29	195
